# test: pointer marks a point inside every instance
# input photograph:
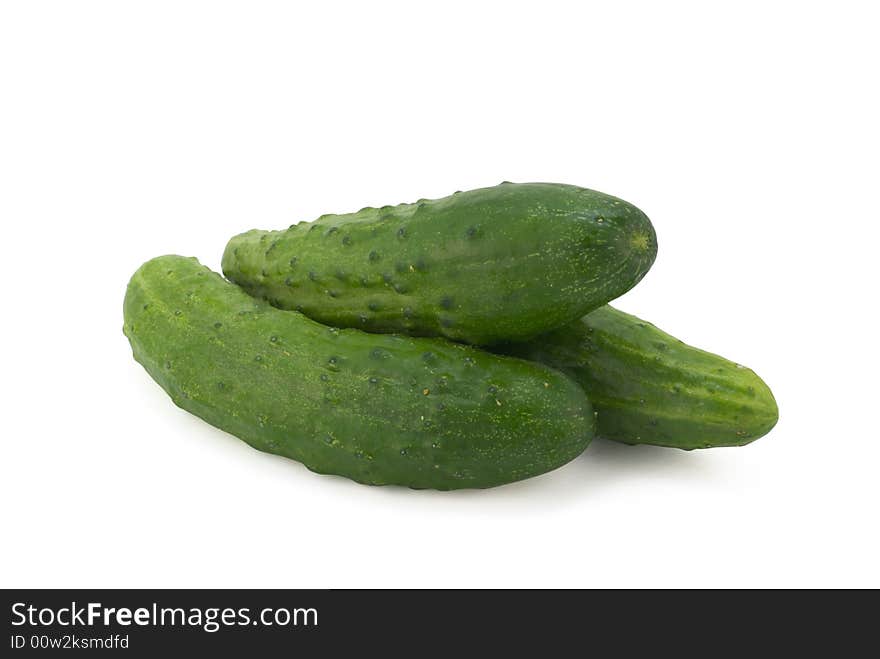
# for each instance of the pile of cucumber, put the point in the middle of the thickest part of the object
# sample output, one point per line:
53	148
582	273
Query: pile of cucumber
350	343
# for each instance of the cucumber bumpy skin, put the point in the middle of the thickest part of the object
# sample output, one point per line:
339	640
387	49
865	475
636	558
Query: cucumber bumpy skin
379	409
648	387
504	263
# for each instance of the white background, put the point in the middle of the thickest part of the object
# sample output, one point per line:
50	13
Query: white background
749	134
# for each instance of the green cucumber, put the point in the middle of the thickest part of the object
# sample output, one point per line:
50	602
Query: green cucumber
504	263
648	387
379	409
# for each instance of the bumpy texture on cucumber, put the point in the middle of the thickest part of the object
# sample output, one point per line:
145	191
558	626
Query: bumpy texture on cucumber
496	264
379	409
648	387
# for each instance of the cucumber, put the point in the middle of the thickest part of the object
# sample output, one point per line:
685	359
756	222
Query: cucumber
379	409
497	264
648	387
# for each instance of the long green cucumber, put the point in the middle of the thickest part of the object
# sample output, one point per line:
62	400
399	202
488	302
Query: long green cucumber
496	264
379	409
648	387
